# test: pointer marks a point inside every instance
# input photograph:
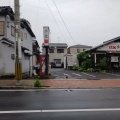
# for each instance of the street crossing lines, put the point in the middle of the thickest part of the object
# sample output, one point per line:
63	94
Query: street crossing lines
60	110
66	75
88	74
112	74
77	74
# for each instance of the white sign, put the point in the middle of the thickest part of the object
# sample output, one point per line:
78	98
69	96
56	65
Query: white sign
70	60
114	58
46	36
113	47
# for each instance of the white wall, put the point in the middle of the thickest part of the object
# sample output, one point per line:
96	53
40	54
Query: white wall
7	64
8	29
27	62
56	55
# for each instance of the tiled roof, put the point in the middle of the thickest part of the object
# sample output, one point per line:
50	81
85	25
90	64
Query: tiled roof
6	10
105	43
80	46
58	45
26	24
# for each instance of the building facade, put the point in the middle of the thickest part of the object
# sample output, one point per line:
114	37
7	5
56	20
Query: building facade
110	50
7	43
56	53
75	49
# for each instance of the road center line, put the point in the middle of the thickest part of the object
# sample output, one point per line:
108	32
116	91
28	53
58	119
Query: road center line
61	110
88	74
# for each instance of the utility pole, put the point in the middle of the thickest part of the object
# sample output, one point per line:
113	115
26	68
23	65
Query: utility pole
18	63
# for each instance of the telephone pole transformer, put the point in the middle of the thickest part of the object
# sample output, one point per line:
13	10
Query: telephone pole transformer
18	54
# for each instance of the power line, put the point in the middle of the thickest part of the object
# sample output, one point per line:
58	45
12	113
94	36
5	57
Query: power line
37	16
63	22
55	20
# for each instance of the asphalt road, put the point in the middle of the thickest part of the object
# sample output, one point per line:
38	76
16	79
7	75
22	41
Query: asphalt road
84	104
60	73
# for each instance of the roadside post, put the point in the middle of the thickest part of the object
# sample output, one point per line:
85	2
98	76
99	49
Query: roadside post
46	32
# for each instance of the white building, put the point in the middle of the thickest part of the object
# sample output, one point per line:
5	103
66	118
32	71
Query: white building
7	43
56	53
75	49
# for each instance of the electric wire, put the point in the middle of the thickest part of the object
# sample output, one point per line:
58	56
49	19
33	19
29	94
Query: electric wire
37	16
55	20
64	22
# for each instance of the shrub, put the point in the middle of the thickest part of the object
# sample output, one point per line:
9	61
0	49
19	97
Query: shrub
90	70
102	65
37	83
87	64
81	69
83	57
75	67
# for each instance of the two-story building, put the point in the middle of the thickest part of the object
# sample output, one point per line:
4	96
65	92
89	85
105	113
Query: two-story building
7	43
75	49
56	53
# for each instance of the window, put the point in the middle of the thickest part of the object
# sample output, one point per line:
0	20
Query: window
60	50
25	36
51	50
12	31
1	28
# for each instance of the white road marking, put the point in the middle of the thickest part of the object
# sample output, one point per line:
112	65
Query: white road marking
76	74
88	74
61	110
66	75
34	90
112	74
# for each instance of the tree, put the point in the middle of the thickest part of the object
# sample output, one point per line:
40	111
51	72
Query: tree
82	57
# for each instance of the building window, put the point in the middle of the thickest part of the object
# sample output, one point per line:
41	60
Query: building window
78	50
1	28
12	31
51	50
60	50
25	36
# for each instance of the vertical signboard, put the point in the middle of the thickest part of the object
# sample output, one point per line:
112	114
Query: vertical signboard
46	36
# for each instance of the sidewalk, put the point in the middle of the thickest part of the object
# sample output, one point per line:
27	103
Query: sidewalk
77	84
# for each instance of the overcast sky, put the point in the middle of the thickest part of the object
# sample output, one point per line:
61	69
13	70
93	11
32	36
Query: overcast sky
90	22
